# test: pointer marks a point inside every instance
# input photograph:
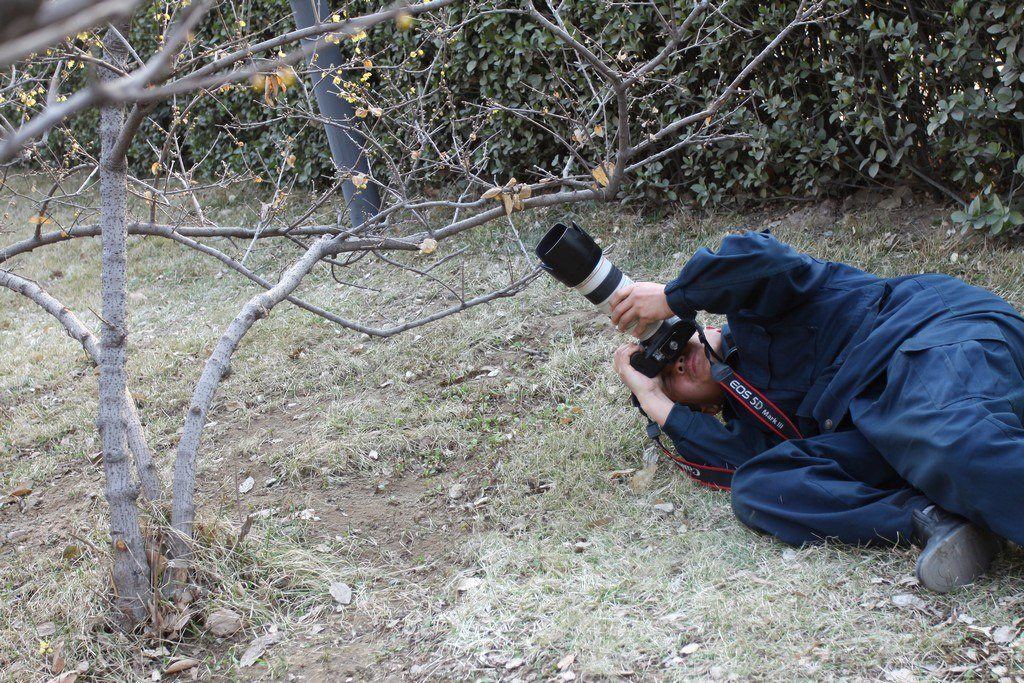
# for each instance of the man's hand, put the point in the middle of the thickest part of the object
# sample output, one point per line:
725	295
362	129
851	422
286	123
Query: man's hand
639	383
648	390
638	305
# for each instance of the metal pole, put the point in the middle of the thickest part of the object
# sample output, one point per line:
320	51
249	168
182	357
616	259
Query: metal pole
343	135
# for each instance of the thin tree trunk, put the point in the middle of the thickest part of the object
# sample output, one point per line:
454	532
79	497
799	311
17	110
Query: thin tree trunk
152	489
133	591
183	512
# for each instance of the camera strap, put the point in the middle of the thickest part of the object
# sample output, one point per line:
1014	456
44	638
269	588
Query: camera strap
709	476
749	396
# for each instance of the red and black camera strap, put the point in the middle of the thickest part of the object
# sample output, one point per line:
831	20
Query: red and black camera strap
717	478
744	394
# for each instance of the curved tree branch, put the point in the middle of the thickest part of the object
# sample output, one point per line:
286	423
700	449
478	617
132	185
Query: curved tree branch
149	477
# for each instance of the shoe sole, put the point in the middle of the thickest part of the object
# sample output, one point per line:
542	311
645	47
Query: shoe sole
958	560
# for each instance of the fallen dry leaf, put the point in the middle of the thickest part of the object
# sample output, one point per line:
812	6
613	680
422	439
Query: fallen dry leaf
179	623
900	676
428	246
66	677
223	622
341	592
176	667
57	661
257	647
909	600
1004	635
565	662
469	583
21	490
514	663
642	480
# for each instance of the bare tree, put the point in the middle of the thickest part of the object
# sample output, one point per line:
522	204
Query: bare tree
410	146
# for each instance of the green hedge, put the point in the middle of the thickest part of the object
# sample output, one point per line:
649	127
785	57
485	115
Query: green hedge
886	93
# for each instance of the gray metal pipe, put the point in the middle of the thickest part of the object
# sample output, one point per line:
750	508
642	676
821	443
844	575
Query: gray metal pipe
343	135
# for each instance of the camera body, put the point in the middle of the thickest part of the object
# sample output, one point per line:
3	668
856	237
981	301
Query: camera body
572	257
663	347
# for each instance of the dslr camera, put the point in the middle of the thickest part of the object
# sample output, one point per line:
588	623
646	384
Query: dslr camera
572	257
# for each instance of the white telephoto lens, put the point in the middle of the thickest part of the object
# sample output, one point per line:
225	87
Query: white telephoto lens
602	283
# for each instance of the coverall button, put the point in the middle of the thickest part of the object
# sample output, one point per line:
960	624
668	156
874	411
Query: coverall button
828	424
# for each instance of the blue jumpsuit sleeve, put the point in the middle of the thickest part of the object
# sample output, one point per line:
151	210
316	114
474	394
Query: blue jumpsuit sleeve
752	271
721	445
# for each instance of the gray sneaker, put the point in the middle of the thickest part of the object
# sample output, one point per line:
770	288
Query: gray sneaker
956	552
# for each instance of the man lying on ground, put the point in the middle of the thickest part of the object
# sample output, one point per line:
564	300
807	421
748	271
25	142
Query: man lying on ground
908	396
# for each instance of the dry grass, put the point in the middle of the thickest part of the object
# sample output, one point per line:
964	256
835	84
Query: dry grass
571	562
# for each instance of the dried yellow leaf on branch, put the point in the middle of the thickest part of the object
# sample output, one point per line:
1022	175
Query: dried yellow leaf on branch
39	219
287	76
359	180
511	195
428	246
273	83
603	173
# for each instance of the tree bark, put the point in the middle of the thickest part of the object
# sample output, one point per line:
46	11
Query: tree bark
183	512
133	591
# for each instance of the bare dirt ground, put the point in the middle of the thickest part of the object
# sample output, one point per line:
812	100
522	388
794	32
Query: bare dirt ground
469	482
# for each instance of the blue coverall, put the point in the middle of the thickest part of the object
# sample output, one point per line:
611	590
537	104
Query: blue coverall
908	391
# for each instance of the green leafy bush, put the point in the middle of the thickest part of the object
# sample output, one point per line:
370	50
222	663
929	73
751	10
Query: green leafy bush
927	92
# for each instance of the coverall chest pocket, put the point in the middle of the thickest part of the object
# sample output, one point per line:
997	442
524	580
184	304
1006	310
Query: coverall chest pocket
792	351
754	346
970	369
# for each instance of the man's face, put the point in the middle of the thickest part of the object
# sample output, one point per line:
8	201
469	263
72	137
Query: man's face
688	380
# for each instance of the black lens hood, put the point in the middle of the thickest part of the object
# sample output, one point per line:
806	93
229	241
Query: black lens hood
568	253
